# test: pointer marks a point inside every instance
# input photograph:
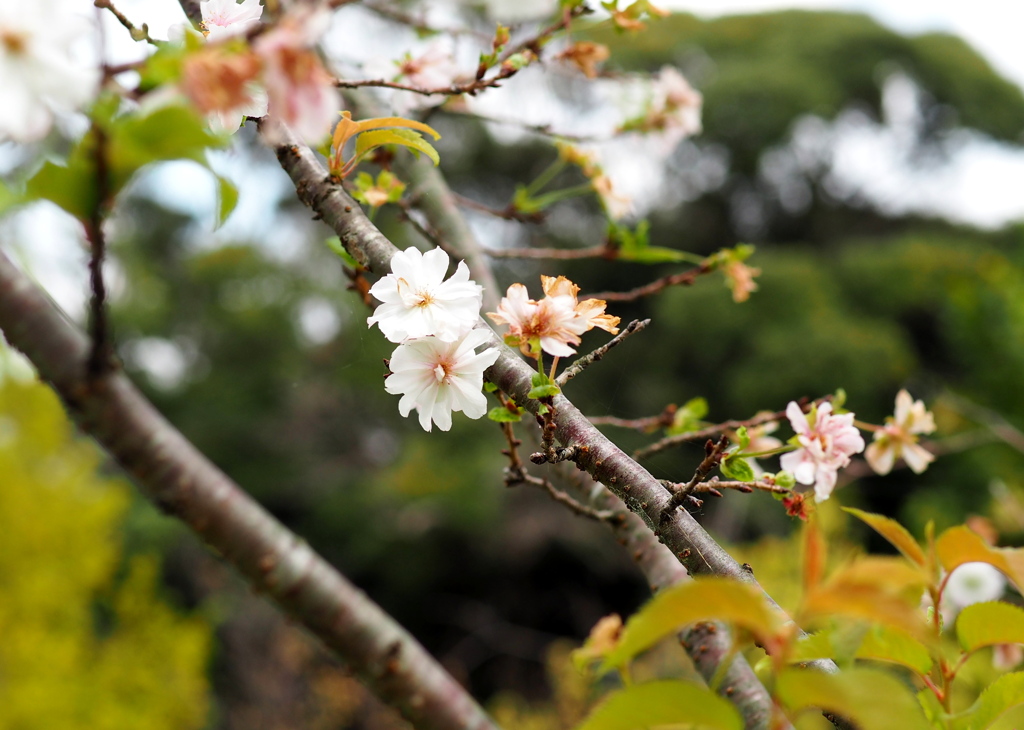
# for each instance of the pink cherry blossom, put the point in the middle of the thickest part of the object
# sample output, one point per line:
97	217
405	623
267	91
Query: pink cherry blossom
826	446
556	321
226	18
899	437
300	92
437	378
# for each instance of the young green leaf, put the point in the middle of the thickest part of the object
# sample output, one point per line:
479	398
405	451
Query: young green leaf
735	467
702	599
369	141
1002	695
543	386
990	623
501	414
227	199
868	697
666	702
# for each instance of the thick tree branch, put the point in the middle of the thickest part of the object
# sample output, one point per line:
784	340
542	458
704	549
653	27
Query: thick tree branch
173	474
708	644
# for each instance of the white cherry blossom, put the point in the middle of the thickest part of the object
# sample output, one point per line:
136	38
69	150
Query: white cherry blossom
825	447
418	302
226	18
40	73
437	378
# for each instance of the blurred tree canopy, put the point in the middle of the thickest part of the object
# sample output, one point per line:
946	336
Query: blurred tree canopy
89	639
278	380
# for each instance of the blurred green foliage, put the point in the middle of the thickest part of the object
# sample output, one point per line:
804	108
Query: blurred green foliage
89	639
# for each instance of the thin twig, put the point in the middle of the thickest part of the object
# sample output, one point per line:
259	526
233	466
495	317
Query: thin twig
407	19
508	213
713	453
647	424
713	484
587	360
101	352
561	254
711	431
685	278
990	419
515	474
137	34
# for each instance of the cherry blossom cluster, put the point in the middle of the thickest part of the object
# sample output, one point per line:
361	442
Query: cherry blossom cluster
435	367
554	322
826	441
279	74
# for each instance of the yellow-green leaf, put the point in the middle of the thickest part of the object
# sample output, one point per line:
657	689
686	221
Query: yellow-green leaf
987	624
663	703
702	599
894	532
369	141
959	545
227	199
881	643
887	644
1004	694
868	697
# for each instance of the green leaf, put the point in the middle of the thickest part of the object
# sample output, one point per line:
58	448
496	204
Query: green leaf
169	133
490	387
868	697
666	702
227	199
735	467
369	141
987	624
71	186
501	414
785	479
8	198
334	243
887	644
1004	694
702	599
743	437
959	545
688	417
543	386
894	532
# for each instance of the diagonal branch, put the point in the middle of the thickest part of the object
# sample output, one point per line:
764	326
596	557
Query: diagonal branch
181	481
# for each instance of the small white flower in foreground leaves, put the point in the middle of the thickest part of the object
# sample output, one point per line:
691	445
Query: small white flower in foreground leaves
436	377
38	73
226	18
556	321
899	437
826	443
418	302
973	583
